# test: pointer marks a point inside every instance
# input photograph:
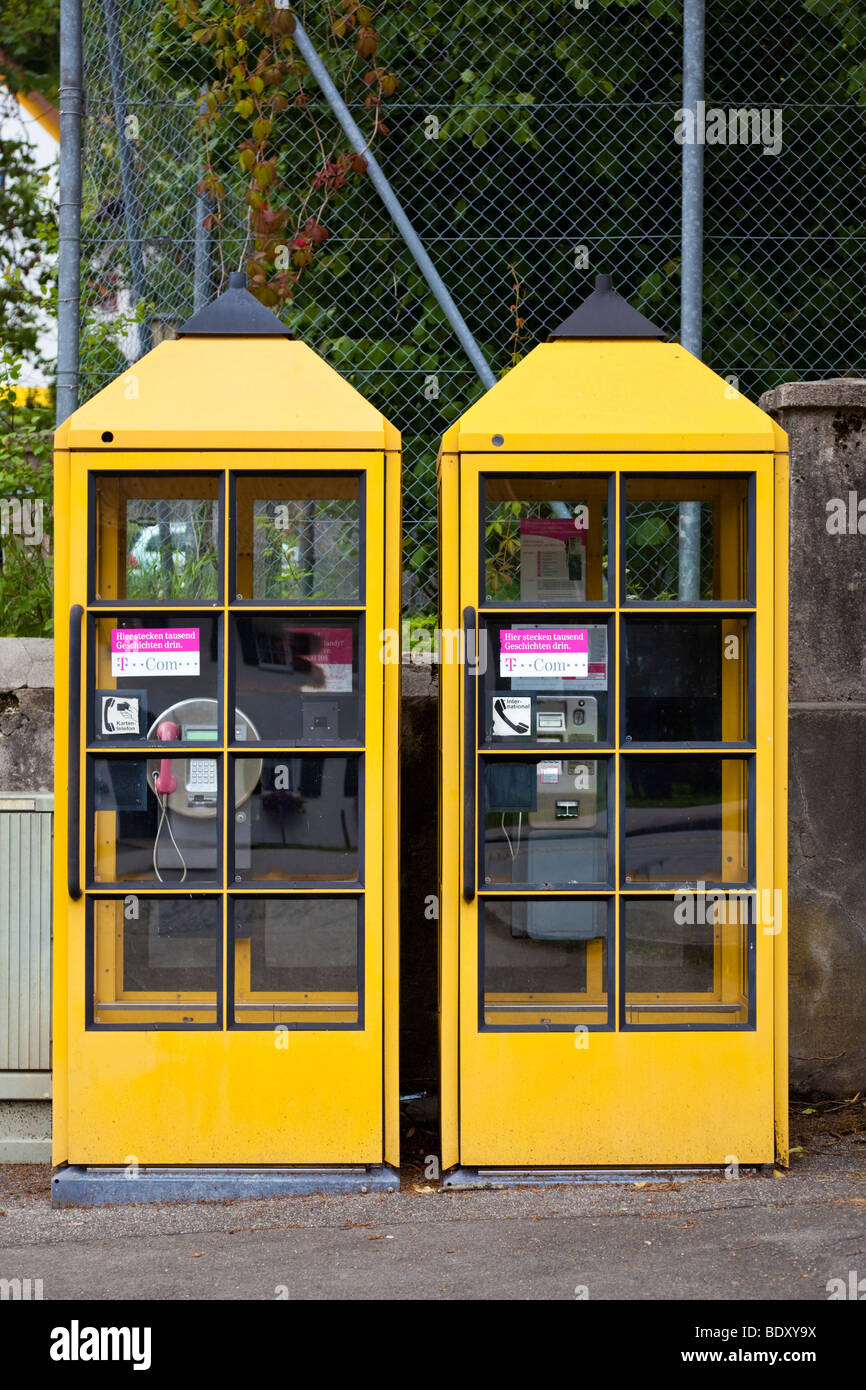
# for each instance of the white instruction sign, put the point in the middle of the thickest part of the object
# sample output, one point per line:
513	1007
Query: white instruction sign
511	716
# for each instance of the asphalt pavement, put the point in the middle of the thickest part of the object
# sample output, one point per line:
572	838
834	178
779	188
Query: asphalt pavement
761	1237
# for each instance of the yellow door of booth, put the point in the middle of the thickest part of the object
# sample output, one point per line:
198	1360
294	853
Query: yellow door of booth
612	945
226	938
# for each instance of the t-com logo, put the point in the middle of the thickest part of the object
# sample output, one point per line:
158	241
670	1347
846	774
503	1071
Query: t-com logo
77	1343
155	651
548	652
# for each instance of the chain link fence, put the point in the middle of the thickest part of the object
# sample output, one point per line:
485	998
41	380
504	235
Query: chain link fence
531	145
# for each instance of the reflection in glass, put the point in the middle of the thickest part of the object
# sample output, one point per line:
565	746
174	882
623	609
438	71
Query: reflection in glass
173	674
155	820
157	537
685	960
301	822
544	683
685	818
685	679
686	539
545	539
156	961
545	821
297	681
299	537
296	960
545	962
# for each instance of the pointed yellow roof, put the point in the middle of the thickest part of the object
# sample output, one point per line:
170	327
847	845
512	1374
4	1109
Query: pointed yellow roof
594	395
233	379
605	383
228	393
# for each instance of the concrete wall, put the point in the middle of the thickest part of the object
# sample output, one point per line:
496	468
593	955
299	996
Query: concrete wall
26	714
826	424
26	765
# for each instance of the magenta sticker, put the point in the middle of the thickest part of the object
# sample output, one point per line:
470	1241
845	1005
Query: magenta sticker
155	651
558	652
324	655
560	527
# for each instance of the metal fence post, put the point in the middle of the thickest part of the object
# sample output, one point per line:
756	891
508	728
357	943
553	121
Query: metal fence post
69	210
389	198
202	280
692	263
131	216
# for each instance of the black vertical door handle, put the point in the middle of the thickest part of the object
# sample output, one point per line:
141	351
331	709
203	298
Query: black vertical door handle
73	823
470	719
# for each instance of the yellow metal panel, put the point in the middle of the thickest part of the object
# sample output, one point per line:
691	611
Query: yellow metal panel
631	1098
629	395
450	442
220	393
450	758
70	588
224	1097
391	811
374	784
61	902
214	460
780	847
554	1098
228	1095
655	464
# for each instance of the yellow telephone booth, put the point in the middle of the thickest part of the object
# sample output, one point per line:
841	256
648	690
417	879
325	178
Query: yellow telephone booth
228	553
613	751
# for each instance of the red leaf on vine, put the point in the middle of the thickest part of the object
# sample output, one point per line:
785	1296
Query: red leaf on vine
315	231
367	42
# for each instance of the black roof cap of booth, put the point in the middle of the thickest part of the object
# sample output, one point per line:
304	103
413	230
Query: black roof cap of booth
605	314
234	314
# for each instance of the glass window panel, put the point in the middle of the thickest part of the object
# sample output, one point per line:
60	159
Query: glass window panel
151	671
297	680
685	818
299	537
545	539
545	821
685	960
300	821
545	962
686	538
686	679
157	537
545	682
156	961
146	834
297	960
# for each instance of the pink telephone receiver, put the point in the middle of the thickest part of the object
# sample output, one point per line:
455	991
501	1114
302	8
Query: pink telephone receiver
165	781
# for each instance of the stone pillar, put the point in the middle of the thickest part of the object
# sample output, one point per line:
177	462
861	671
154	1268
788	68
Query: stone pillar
826	425
26	714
